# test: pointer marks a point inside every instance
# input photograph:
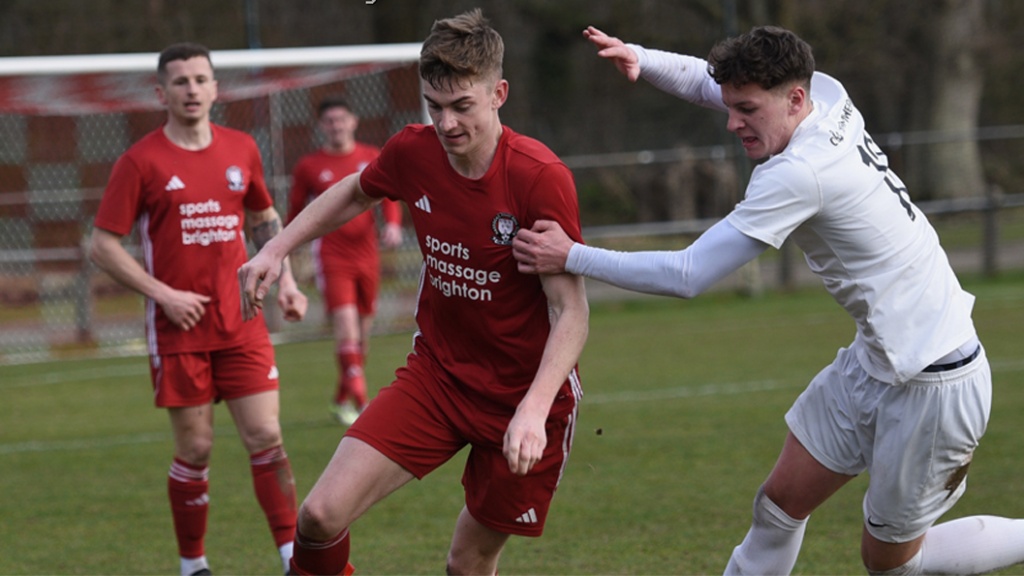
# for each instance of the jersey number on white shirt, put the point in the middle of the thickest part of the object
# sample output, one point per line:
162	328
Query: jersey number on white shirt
873	156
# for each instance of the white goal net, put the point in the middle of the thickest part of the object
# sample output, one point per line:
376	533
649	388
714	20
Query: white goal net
65	120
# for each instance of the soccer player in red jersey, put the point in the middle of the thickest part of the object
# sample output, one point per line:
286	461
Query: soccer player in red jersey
188	188
347	261
494	357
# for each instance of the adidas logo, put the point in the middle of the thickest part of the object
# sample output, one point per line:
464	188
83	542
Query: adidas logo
423	204
528	517
174	183
201	501
273	373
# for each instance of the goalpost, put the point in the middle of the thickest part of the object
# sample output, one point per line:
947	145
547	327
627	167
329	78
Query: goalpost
64	120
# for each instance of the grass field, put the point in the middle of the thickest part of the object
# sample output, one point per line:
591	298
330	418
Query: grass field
681	421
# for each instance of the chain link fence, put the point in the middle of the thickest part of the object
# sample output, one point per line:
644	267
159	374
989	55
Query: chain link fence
54	164
53	169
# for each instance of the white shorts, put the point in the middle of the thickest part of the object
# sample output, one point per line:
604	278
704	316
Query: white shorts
915	440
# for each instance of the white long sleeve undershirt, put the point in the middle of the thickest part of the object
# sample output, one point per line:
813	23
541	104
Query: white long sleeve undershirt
719	251
682	76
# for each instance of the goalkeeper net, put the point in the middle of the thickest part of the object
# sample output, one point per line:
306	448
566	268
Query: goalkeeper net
65	120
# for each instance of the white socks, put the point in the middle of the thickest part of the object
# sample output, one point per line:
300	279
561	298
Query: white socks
190	566
973	545
772	544
286	555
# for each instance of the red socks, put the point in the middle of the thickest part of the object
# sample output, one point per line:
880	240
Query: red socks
351	380
188	488
329	557
275	491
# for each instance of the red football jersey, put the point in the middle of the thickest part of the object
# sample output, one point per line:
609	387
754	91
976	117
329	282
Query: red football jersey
189	207
479	318
354	245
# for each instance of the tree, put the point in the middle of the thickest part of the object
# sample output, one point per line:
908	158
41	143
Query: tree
953	168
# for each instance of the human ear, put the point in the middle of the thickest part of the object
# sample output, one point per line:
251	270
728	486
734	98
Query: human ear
797	97
500	93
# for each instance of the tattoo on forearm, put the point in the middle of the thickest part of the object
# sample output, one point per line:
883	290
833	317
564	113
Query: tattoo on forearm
264	231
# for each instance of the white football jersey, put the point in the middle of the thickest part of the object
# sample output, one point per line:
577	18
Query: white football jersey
832	191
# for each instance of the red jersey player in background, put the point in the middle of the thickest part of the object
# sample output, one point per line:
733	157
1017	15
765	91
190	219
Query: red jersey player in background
494	358
346	261
188	188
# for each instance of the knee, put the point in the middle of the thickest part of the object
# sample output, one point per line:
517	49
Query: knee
195	450
316	521
462	567
471	560
262	437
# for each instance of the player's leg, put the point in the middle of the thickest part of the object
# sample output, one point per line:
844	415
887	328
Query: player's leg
821	453
969	545
182	384
260	431
920	472
365	331
366	284
351	361
796	487
405	433
367	291
357	477
246	377
188	483
475	548
498	502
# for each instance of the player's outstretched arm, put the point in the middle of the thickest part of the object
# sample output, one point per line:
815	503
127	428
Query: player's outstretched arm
264	225
613	49
336	206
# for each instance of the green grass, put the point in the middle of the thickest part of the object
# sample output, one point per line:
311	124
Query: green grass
681	421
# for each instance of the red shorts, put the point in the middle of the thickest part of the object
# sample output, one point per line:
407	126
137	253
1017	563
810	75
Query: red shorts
197	378
344	287
423	419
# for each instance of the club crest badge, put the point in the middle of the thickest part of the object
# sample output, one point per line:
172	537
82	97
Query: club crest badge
236	179
504	226
326	175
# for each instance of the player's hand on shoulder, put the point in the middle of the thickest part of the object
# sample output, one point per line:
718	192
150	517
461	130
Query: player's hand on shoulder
543	249
611	48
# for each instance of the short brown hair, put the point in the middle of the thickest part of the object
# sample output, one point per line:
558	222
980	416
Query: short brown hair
768	56
459	48
180	51
332	102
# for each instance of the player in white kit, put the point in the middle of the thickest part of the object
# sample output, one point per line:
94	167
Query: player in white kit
909	399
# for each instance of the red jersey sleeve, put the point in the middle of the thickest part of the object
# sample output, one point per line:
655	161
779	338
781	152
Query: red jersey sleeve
258	197
119	206
554	198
